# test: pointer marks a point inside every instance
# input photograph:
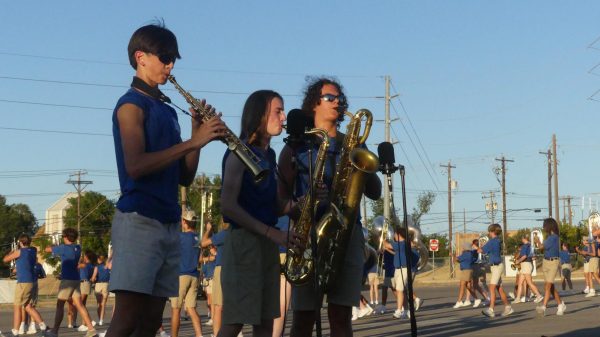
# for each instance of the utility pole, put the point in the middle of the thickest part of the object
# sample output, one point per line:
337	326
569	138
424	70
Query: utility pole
570	211
491	206
388	138
449	168
548	154
567	210
464	221
79	185
555	164
504	227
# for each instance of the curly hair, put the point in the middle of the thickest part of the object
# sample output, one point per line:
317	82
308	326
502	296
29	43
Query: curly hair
312	97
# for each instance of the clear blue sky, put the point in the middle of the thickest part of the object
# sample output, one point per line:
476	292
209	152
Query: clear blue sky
477	80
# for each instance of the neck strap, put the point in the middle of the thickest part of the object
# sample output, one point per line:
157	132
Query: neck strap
154	92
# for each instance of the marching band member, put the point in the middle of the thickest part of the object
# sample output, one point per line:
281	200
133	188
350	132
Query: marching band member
493	249
466	261
550	267
478	273
323	102
565	267
525	259
585	252
594	264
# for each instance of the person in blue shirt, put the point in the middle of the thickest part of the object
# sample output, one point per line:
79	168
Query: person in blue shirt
189	245
38	273
585	252
25	257
69	253
466	261
493	248
525	258
208	272
101	277
86	270
565	267
397	247
152	161
388	273
479	275
550	247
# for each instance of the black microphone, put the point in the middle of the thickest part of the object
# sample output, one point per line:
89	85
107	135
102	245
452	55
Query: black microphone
296	126
385	150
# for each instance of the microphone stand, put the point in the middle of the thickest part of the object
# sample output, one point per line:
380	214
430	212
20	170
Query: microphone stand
388	170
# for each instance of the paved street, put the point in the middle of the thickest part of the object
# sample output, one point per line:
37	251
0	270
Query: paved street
436	318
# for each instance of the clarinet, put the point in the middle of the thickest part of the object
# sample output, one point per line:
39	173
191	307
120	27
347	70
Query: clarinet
235	145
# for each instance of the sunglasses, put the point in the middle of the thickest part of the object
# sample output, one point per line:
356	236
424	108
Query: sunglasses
166	58
331	97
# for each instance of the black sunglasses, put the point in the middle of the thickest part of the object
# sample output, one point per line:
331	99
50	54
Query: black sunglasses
331	97
166	58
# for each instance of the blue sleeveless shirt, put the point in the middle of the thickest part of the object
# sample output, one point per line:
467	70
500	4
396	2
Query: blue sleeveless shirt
154	195
258	199
25	263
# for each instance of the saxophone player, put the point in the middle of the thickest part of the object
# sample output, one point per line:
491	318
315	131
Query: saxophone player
323	103
152	160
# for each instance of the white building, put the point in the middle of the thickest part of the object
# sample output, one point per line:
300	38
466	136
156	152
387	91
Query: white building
56	213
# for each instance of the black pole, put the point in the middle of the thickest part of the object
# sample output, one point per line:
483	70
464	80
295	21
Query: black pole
408	252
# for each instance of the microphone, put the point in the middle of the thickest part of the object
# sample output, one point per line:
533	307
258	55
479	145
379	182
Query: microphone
385	150
296	126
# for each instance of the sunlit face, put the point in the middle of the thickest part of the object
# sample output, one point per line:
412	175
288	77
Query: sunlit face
151	69
275	117
327	110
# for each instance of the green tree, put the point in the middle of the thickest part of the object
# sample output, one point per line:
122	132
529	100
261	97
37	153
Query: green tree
443	243
203	183
424	202
14	220
513	241
96	218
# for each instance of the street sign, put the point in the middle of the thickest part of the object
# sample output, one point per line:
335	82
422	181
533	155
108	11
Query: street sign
433	245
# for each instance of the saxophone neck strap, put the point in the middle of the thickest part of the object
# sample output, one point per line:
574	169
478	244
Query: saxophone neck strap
154	92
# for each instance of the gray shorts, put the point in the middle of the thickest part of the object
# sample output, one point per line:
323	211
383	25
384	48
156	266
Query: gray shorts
249	278
346	290
146	255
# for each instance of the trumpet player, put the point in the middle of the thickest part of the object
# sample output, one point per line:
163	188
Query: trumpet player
550	267
525	259
152	161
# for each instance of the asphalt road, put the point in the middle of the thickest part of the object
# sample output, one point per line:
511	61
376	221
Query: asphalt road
435	318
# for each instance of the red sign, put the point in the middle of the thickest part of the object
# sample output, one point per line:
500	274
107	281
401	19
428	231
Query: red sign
433	245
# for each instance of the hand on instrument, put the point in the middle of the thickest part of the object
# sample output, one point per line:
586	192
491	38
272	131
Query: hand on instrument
286	239
206	131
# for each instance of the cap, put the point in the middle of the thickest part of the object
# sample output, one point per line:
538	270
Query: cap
189	215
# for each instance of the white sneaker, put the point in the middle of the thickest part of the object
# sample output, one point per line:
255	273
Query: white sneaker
523	299
511	295
32	330
516	301
100	322
354	313
476	303
15	332
93	323
488	312
458	305
82	328
43	327
364	311
70	326
561	309
164	334
538	299
466	303
240	334
418	303
507	311
21	329
591	293
209	322
586	290
398	313
541	309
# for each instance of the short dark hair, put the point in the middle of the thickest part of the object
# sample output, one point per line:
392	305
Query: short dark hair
70	233
312	96
91	256
495	228
255	113
154	39
550	226
25	239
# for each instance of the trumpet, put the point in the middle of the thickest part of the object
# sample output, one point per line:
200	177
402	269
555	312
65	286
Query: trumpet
483	239
593	224
235	145
514	265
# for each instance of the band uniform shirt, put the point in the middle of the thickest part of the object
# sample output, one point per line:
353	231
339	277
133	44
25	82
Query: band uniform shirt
218	240
189	245
388	263
414	262
154	195
586	249
103	273
38	272
210	269
258	199
400	255
526	251
25	264
69	256
492	249
466	260
85	273
565	257
551	246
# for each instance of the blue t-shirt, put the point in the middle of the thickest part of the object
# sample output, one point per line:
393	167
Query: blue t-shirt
210	269
586	249
565	257
154	195
103	273
25	264
259	200
526	251
466	260
415	259
69	257
38	272
283	224
86	272
400	254
218	240
492	249
551	246
190	253
388	264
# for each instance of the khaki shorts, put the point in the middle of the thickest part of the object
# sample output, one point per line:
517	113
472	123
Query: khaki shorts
217	291
400	278
497	271
85	288
68	289
594	264
23	293
526	268
34	294
465	275
101	288
209	286
550	269
586	267
188	291
373	279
